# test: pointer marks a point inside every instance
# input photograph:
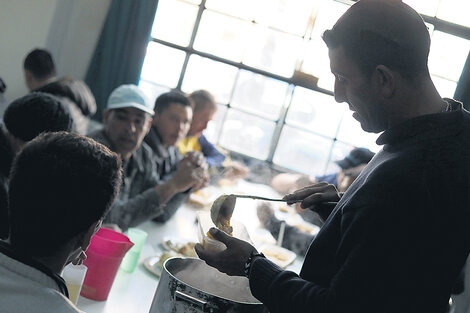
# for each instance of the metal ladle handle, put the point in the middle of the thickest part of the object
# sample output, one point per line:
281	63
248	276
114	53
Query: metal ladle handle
266	199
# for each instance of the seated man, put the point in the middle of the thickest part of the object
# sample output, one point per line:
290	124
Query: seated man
145	192
61	186
295	239
24	119
350	166
205	108
40	75
173	114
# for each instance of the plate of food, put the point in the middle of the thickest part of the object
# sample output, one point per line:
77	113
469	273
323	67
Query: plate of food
279	255
202	197
179	245
306	227
154	264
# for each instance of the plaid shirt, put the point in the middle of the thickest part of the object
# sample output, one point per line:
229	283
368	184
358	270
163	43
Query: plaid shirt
138	200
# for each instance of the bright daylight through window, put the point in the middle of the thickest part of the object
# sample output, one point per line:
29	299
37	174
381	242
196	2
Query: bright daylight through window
249	54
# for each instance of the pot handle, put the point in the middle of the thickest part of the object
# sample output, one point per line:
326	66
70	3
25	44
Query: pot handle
181	296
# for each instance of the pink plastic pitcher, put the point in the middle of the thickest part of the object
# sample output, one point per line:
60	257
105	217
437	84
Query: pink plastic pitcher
105	254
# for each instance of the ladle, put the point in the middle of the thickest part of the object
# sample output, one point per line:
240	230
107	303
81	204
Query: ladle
222	208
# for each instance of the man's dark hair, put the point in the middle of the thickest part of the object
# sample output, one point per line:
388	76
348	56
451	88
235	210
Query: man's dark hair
39	62
37	112
390	33
60	184
164	100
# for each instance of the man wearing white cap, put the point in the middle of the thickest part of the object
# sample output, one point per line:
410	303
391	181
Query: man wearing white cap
143	195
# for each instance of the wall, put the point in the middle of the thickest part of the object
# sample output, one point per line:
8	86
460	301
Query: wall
68	28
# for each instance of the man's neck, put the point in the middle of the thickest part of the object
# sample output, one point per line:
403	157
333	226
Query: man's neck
39	83
421	101
55	264
160	137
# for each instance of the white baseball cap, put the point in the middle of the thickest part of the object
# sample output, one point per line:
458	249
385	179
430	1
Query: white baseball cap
129	96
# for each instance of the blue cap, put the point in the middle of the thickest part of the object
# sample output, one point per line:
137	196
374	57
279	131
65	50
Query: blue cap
355	158
129	96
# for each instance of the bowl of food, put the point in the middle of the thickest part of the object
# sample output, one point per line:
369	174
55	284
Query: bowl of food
205	223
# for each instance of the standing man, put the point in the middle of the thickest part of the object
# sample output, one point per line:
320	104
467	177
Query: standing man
40	75
399	235
61	187
144	195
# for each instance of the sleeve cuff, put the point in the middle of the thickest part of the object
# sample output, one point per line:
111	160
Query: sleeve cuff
262	274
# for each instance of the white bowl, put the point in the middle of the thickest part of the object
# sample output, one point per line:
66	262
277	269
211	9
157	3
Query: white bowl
205	223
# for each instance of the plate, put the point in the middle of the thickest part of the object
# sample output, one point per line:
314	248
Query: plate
278	255
203	197
179	245
151	265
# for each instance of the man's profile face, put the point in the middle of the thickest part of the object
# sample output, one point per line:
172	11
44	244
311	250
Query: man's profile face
354	88
126	128
173	123
200	120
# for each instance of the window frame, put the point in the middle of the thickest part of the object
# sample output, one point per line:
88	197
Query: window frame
293	82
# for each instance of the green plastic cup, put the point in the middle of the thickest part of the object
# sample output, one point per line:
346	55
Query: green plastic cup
137	236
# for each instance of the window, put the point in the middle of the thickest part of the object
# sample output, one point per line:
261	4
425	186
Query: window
246	53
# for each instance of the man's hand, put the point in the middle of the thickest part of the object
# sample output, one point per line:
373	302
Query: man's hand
202	179
230	261
187	175
314	198
197	158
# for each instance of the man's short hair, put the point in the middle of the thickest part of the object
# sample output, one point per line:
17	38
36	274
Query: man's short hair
39	62
379	32
164	100
60	184
201	99
37	112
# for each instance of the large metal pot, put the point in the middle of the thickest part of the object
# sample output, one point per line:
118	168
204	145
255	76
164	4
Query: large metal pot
190	285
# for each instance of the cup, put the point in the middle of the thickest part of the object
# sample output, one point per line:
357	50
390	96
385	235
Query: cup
74	276
137	236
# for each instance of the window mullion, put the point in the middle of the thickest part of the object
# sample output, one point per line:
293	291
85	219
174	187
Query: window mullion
280	123
191	43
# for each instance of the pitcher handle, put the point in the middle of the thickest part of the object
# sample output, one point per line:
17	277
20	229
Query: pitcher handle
181	296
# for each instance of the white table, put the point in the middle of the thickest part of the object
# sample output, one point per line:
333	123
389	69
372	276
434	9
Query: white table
133	292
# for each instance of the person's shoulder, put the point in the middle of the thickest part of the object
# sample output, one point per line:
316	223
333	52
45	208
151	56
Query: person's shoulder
100	136
145	153
151	139
59	303
39	300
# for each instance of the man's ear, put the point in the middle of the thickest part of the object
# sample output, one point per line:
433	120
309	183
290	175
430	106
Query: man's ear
385	80
149	124
155	119
106	114
89	233
16	143
28	78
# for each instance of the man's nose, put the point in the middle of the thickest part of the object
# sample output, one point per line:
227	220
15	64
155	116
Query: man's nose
181	126
340	93
131	127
